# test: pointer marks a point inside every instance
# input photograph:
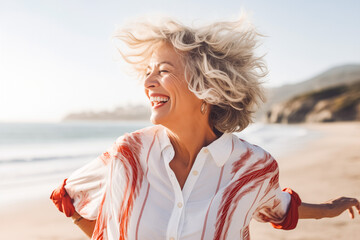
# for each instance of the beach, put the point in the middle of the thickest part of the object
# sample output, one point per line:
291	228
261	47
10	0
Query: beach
321	169
324	166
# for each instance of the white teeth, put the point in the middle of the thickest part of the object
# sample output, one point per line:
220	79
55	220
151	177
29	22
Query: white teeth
159	99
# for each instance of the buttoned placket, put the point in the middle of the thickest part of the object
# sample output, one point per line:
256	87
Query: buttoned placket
176	220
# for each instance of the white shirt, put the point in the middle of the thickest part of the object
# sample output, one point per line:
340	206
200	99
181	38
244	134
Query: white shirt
133	193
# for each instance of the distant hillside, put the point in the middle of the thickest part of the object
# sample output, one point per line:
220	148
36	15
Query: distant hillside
339	75
340	103
138	112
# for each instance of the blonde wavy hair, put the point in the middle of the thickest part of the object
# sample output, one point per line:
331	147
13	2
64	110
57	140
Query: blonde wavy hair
220	64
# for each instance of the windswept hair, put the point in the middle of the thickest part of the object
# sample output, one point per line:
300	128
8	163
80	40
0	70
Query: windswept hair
220	64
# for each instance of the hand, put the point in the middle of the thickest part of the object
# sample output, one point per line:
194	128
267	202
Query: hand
337	206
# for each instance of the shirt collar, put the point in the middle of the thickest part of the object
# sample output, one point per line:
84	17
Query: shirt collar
164	139
220	149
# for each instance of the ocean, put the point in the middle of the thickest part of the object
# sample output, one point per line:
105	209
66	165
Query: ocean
36	157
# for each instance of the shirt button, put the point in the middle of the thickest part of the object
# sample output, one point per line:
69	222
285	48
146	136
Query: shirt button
179	204
195	172
206	150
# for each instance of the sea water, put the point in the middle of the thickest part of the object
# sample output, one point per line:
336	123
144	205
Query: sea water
36	157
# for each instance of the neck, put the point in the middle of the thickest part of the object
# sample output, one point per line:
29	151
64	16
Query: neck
188	139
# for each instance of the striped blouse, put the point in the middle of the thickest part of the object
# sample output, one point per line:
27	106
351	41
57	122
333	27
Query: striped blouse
133	193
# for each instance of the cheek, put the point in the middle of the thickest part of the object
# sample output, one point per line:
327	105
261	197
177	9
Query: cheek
179	91
188	101
183	94
175	80
176	86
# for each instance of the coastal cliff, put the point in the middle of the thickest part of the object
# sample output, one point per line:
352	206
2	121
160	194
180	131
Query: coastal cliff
339	103
339	75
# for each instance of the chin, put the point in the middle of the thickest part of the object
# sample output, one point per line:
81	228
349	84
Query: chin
155	119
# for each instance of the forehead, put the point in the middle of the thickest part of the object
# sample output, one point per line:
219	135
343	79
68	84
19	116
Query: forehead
165	53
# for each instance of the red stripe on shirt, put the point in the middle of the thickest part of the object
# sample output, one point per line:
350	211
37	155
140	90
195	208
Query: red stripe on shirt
233	193
207	212
242	161
128	154
101	223
216	191
148	187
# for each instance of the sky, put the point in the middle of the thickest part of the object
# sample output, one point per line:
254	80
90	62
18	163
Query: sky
58	57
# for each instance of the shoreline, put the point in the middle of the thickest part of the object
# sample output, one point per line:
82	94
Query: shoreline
316	174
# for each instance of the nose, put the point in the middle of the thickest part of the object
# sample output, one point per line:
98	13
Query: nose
151	81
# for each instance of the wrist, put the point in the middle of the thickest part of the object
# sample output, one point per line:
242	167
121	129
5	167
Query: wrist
323	210
77	220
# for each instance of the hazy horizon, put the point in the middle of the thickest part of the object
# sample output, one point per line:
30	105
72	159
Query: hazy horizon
57	57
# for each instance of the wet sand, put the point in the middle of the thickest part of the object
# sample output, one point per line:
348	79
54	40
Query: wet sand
322	168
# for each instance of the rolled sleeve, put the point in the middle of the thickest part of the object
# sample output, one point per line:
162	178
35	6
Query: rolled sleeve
84	189
292	215
279	207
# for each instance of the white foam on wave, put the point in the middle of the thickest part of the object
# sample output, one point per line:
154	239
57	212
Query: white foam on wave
275	138
46	151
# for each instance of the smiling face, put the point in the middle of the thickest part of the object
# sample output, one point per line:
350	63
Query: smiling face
171	100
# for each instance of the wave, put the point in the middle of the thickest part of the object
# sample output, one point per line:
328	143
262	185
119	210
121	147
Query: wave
46	158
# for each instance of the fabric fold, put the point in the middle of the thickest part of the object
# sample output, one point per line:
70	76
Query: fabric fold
292	215
62	200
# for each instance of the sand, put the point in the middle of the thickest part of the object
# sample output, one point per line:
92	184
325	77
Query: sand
323	168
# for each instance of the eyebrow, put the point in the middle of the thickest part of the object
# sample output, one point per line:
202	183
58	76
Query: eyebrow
164	62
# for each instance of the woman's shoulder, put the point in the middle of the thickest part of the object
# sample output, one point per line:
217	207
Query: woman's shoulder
244	144
143	135
134	144
249	160
252	152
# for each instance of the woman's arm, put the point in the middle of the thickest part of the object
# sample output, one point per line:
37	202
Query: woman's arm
329	209
64	203
85	225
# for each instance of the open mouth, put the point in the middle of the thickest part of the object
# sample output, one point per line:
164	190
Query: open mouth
158	101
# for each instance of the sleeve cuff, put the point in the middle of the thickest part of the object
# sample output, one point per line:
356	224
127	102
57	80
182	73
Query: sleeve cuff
292	215
62	200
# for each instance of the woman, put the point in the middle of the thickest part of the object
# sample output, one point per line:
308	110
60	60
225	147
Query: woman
188	177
